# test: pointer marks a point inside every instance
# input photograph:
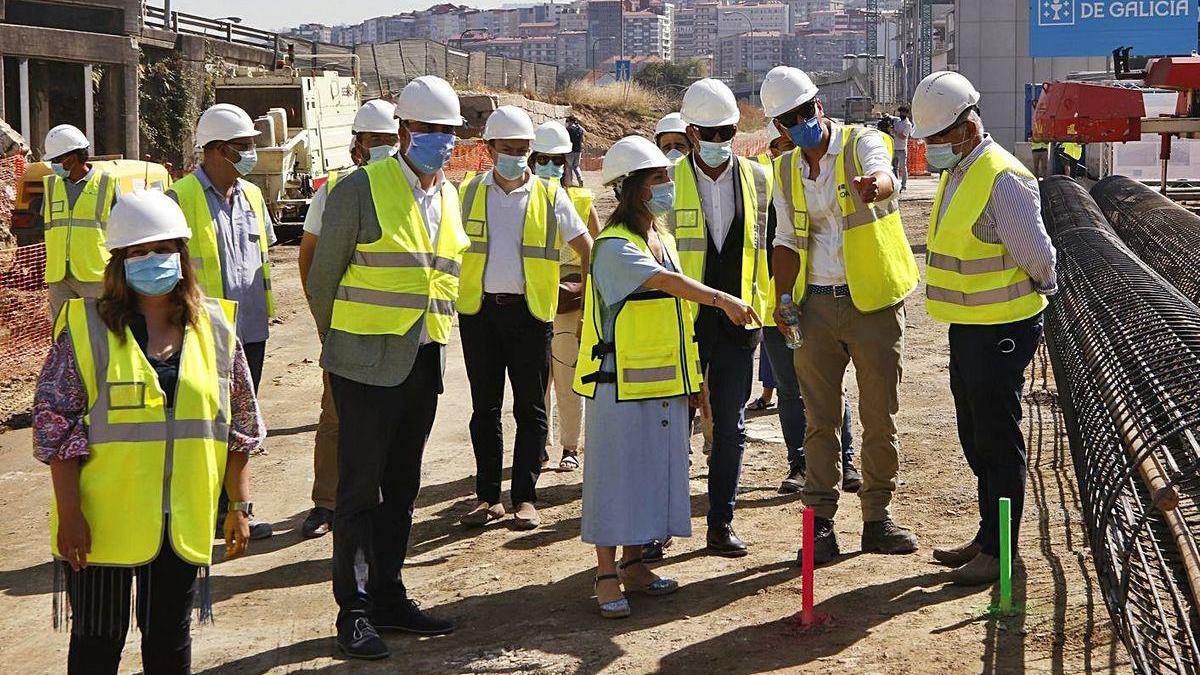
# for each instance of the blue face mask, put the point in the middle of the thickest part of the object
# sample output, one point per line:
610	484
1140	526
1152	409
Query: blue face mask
248	159
549	170
662	199
675	154
153	273
429	152
59	170
942	155
715	154
511	167
380	153
807	134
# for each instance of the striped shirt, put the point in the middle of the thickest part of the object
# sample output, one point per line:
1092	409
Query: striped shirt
1013	217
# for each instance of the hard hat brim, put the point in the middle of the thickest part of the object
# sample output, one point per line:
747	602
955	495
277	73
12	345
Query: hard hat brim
146	239
448	121
796	103
553	150
723	122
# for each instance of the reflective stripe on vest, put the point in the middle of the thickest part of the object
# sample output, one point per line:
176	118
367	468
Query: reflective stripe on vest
691	231
581	199
395	280
540	242
768	315
147	459
880	268
971	281
654	348
202	247
75	234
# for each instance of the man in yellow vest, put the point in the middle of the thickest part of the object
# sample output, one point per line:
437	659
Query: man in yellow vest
841	253
517	223
990	266
231	230
720	225
375	131
76	201
1041	151
382	288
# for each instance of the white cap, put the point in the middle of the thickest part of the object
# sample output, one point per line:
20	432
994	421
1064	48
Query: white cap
377	117
551	138
62	139
510	123
224	122
709	103
143	216
671	124
431	100
940	98
785	88
632	153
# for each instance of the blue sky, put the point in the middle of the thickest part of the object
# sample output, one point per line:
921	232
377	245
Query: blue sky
273	14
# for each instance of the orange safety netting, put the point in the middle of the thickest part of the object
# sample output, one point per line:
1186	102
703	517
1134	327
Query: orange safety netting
468	157
916	158
24	321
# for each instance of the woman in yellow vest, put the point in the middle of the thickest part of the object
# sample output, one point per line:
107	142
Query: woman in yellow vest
144	407
551	143
639	368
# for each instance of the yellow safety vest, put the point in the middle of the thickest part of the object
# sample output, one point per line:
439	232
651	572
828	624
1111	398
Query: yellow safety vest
202	247
394	281
1039	146
148	461
467	178
768	317
581	199
691	233
337	175
540	242
972	281
654	347
880	269
75	235
1073	150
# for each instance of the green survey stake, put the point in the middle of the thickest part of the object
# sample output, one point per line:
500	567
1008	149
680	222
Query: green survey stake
1005	554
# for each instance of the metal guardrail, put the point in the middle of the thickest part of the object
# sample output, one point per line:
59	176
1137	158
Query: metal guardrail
191	24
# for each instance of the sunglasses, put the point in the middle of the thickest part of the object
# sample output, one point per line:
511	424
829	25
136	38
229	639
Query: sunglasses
801	114
551	159
716	133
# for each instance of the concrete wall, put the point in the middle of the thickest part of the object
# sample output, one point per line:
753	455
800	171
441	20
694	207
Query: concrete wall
387	67
993	52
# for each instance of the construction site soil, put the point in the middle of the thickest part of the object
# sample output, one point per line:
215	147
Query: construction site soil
524	600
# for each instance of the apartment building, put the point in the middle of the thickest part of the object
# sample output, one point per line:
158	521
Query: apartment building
767	17
604	30
695	30
572	51
648	34
752	53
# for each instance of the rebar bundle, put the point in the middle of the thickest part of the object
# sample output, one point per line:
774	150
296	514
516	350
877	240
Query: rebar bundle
1163	234
1125	347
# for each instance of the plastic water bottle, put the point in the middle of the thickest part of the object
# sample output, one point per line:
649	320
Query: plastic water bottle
792	336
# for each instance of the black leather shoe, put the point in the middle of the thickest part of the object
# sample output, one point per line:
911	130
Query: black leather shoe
724	542
408	617
884	536
359	640
794	481
851	478
655	549
825	546
318	523
260	530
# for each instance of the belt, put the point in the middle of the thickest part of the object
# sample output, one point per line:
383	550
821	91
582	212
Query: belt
842	291
504	299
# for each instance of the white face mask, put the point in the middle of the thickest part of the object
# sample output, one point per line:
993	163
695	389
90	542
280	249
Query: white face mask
380	152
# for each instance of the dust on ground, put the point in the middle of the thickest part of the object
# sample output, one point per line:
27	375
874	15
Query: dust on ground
523	599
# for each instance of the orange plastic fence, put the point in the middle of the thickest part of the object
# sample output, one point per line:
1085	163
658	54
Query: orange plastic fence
24	321
916	158
468	157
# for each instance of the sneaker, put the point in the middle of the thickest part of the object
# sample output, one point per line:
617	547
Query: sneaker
793	483
318	523
825	546
409	618
851	478
884	536
360	640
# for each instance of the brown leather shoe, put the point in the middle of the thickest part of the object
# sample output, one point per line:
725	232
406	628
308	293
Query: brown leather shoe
958	556
983	569
482	514
527	516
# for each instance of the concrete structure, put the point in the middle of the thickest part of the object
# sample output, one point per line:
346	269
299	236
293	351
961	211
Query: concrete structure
771	17
695	31
573	17
604	30
572	51
822	51
753	53
648	34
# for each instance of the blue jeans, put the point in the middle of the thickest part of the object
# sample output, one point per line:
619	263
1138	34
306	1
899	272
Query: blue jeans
791	405
729	372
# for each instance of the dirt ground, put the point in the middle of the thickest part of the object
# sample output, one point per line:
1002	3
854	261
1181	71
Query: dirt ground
523	599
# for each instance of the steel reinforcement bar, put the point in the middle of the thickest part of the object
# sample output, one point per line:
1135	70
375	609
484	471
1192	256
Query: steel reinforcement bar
1125	347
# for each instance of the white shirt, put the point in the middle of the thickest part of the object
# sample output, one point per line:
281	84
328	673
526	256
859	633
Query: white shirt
717	201
429	203
316	210
826	264
505	272
901	130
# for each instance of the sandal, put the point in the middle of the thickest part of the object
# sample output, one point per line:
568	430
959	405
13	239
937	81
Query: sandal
759	404
659	586
617	609
569	461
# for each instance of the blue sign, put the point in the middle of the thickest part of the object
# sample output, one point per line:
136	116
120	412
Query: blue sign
1096	27
623	70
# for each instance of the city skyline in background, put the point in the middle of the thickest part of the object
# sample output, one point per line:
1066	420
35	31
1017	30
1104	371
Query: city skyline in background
268	15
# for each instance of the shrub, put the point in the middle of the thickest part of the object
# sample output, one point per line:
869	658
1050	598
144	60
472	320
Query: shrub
629	96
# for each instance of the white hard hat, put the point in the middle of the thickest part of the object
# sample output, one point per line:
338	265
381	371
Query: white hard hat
551	138
709	103
62	139
772	133
785	88
508	122
940	98
671	124
143	216
224	122
378	117
431	100
632	153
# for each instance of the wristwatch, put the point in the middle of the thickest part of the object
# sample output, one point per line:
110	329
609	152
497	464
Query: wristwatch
245	507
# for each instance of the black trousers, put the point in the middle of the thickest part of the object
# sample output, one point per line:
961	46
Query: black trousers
381	438
500	339
100	608
987	375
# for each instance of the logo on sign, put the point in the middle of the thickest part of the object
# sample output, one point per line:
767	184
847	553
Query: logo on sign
1056	13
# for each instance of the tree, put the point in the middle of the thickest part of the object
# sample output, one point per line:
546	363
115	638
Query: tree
657	75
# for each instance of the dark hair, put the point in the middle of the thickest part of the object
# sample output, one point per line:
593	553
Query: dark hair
631	210
902	109
118	302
